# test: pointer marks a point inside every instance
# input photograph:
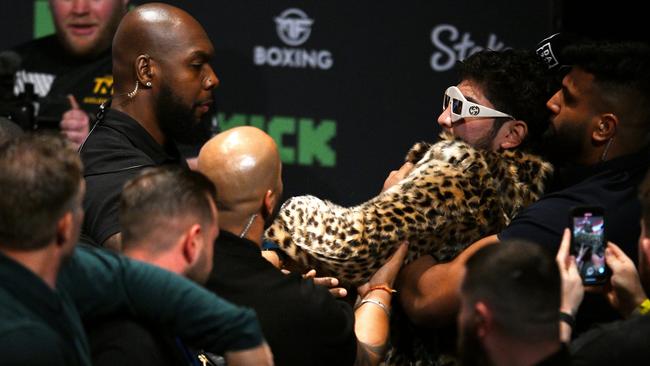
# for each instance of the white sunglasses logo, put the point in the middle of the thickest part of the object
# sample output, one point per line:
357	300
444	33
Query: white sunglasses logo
461	108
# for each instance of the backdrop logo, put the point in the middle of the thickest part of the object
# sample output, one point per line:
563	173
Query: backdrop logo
301	140
294	28
452	46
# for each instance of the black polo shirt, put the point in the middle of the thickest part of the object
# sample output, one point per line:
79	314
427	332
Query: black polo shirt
38	325
117	149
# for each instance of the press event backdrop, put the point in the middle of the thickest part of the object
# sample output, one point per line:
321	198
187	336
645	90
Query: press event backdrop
344	87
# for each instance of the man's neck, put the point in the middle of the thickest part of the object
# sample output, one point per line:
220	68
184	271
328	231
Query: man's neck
168	260
141	110
237	224
44	262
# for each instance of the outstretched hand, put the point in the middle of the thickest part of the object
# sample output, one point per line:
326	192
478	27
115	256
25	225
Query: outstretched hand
387	273
397	175
330	282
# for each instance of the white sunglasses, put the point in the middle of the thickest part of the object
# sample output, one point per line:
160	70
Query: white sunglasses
463	108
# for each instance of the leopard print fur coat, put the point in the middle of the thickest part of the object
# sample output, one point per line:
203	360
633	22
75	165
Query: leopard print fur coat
454	195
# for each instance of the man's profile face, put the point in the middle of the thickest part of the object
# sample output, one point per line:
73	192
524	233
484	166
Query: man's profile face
477	132
200	271
186	83
569	132
86	27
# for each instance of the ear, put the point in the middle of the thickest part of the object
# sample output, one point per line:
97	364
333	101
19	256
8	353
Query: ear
514	133
605	128
270	199
64	229
191	244
484	319
144	69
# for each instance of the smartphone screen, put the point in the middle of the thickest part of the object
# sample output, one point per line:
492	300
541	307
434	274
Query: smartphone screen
588	244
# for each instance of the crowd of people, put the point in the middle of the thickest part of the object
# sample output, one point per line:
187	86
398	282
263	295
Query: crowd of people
115	249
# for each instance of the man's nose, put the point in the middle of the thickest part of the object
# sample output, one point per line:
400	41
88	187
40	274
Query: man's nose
444	119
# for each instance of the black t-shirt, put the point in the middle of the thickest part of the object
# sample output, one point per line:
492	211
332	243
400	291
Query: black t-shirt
612	185
55	74
117	149
302	322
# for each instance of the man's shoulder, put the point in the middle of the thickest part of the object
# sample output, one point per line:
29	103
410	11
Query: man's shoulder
107	149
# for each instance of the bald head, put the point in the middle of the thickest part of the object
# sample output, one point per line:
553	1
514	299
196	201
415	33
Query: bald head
244	164
154	29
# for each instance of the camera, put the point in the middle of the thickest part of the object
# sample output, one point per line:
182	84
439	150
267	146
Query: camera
588	243
22	108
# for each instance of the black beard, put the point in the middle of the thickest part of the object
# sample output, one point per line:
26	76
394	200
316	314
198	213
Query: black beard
563	145
176	121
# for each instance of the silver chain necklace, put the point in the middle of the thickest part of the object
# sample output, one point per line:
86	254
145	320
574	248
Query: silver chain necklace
248	226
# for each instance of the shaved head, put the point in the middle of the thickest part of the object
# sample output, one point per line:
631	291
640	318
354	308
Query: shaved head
154	29
244	164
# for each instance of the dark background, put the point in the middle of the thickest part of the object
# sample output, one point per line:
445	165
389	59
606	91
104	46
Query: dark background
381	91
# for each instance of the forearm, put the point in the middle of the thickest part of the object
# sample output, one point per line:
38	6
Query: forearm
428	291
372	325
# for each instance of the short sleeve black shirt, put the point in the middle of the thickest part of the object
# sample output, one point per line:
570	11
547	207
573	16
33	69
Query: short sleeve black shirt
117	149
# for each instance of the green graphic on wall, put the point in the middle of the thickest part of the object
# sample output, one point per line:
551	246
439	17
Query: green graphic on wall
311	142
43	25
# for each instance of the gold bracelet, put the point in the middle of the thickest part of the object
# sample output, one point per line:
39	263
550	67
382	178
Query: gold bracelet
376	302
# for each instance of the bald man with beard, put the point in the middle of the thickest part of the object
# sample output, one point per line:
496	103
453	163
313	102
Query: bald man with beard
301	320
162	87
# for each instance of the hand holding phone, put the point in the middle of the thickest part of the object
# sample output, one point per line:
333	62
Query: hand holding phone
588	244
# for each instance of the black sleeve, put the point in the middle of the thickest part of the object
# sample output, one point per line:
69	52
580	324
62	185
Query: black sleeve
332	326
541	223
101	204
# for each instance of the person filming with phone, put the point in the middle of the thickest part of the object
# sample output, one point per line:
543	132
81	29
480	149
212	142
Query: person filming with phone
620	342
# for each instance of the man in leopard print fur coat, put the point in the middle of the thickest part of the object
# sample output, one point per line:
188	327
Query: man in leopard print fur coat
468	185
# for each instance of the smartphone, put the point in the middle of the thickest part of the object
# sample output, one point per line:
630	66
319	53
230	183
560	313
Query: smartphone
588	243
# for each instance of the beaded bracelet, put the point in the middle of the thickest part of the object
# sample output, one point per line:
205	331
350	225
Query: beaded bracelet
383	288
